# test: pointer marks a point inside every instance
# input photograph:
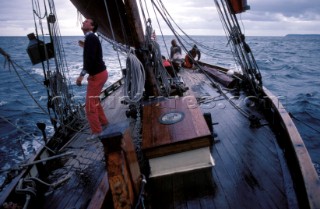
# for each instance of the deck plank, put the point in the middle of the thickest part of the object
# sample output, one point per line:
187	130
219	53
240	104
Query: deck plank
99	197
238	181
247	172
178	193
88	167
262	174
243	155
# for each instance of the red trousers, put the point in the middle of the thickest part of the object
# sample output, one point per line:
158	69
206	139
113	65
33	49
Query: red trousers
94	111
187	62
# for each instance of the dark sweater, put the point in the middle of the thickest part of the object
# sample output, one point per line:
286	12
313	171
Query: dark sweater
92	55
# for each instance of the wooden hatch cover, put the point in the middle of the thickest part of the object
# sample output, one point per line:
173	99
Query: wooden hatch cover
175	136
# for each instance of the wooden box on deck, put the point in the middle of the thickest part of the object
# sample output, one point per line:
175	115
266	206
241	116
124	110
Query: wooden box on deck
177	147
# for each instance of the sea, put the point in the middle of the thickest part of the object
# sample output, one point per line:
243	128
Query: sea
290	68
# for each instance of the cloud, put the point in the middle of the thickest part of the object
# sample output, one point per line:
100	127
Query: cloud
272	17
17	18
275	17
296	8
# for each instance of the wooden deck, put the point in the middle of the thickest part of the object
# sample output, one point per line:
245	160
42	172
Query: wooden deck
249	166
249	172
88	178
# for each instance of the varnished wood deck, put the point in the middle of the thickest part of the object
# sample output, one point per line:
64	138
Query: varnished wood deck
249	167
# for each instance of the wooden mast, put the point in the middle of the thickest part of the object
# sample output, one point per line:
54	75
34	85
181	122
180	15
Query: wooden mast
143	54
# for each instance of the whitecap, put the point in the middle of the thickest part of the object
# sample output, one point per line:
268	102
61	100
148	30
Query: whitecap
2	103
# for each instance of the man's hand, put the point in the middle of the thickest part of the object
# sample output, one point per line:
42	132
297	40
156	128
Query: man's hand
79	80
81	43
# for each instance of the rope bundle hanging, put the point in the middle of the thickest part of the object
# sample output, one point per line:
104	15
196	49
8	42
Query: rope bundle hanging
135	79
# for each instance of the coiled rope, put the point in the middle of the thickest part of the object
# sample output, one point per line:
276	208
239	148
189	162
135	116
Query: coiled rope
135	79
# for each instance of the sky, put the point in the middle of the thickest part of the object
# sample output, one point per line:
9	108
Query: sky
265	18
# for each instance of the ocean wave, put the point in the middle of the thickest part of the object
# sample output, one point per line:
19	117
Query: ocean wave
290	68
317	167
2	103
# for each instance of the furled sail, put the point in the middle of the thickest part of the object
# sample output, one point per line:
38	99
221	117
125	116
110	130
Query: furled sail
117	19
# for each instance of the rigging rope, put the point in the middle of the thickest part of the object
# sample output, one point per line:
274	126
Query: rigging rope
142	10
110	23
158	22
61	108
168	19
239	47
184	39
111	28
304	123
26	133
14	65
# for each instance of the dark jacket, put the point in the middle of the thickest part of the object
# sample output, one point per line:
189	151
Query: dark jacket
174	50
92	55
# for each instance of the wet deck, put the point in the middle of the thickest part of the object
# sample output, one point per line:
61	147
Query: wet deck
249	167
248	173
87	169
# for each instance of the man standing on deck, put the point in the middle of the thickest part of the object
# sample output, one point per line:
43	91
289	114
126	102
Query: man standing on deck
175	54
94	65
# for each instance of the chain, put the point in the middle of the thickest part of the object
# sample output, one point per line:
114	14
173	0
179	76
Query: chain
137	140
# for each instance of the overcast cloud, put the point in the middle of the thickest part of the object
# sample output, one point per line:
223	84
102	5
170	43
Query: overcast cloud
265	18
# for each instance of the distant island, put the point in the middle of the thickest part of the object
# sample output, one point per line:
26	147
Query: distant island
289	35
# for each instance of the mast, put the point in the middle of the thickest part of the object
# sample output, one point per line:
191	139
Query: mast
143	54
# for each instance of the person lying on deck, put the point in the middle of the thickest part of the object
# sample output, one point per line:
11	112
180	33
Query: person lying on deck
190	57
167	65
